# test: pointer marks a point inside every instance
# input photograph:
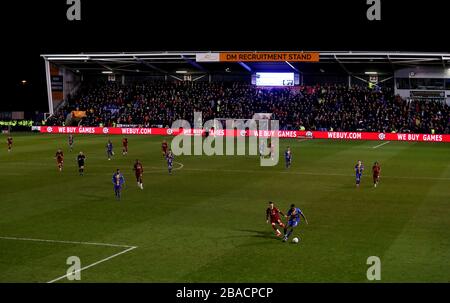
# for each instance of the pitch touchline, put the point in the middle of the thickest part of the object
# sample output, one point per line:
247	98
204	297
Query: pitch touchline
128	248
66	242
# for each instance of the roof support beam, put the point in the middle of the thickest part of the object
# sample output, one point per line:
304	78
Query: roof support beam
49	87
193	63
248	68
342	65
293	67
151	65
103	65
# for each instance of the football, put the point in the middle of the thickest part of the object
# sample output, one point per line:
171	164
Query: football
295	240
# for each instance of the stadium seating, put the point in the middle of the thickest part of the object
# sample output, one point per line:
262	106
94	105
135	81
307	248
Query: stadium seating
324	107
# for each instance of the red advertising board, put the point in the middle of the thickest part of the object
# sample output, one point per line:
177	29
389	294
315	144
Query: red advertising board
246	133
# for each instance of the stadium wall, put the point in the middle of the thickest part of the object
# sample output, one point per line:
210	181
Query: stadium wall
410	82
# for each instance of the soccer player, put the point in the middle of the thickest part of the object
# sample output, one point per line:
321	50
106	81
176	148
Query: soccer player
71	142
118	180
376	170
80	159
109	150
59	159
9	140
273	214
169	159
125	146
359	168
293	215
164	147
262	148
138	172
288	157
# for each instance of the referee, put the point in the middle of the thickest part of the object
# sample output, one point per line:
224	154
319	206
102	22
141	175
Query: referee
80	158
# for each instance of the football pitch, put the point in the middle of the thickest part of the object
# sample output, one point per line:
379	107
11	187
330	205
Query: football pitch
206	221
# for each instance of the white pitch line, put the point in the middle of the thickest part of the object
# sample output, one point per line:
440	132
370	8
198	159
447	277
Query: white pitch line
379	145
179	163
93	264
66	242
128	248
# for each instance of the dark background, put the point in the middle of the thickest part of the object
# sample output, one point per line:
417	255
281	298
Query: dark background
30	28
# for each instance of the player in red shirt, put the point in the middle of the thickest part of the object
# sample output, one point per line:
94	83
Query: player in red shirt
139	172
376	170
59	159
164	147
125	146
273	216
10	142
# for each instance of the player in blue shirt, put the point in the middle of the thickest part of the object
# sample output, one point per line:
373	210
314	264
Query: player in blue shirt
169	159
288	157
118	180
293	215
359	168
262	148
109	150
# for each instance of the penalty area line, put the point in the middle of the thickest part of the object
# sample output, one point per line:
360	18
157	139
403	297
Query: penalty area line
93	264
127	249
379	145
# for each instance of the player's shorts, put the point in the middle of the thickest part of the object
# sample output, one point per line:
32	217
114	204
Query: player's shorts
138	176
80	164
59	161
358	179
277	221
293	223
117	187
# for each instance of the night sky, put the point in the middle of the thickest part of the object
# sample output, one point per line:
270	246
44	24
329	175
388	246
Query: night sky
30	28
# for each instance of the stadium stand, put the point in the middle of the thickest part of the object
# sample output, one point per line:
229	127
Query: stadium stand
322	107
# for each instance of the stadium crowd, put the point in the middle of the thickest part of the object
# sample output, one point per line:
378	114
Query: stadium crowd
321	107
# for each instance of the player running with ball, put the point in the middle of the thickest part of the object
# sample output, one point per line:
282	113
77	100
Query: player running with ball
293	215
273	216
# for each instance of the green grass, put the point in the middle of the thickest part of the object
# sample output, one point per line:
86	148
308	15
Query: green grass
205	223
